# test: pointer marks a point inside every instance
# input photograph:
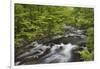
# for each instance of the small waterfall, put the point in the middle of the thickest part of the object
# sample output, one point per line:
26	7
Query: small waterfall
59	53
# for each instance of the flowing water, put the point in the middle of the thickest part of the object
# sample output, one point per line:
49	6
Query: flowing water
59	53
60	49
50	54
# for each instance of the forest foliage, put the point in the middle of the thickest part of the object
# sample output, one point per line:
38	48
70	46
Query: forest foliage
33	22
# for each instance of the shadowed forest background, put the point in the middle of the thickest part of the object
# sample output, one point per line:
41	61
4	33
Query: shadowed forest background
35	22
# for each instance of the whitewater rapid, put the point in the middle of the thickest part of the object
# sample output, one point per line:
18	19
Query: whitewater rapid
57	53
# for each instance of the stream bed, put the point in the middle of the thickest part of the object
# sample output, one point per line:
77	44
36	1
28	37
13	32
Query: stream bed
58	49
